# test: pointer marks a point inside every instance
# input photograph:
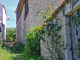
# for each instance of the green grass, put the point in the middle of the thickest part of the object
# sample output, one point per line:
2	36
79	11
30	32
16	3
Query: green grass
35	57
16	53
5	54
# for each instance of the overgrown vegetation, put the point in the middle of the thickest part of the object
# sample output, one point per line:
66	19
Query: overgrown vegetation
5	54
51	31
53	37
18	47
32	47
76	21
11	34
11	53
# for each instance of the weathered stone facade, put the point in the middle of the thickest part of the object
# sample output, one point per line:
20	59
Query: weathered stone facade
68	33
20	27
33	18
36	6
44	45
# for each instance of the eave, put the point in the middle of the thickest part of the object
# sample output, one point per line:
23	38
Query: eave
60	8
4	8
20	6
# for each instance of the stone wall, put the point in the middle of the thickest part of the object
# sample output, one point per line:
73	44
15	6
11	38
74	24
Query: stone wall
33	18
44	45
36	6
68	36
22	25
18	30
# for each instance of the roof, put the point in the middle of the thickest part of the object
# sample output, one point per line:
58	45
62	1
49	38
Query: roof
60	7
20	6
3	7
22	2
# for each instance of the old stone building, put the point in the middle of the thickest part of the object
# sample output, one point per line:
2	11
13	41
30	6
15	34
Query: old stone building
70	34
27	16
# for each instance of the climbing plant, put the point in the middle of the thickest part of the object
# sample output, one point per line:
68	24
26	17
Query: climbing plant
52	37
76	21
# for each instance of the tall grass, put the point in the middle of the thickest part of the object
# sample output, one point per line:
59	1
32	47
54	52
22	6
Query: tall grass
5	54
11	53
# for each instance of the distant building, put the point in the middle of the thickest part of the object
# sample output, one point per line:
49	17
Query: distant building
3	17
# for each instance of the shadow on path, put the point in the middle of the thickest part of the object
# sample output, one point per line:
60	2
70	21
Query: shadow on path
18	57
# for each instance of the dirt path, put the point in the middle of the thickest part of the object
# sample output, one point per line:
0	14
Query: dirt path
18	57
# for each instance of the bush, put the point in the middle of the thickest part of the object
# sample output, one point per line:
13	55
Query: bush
3	43
33	37
17	46
35	57
10	34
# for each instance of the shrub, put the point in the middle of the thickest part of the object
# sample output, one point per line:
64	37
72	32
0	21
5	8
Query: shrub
35	57
3	43
5	54
17	46
11	34
33	37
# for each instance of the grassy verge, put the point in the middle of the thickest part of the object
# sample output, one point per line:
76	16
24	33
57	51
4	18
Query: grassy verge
16	53
5	54
11	53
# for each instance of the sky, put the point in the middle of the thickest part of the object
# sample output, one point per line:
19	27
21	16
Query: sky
10	6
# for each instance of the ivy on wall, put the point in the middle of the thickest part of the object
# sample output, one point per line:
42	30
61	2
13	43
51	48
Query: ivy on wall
53	41
76	20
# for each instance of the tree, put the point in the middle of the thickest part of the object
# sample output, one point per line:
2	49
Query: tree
10	34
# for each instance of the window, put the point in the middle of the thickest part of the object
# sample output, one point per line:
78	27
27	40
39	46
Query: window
26	9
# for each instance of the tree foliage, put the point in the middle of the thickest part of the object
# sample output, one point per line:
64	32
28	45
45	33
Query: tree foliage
10	34
33	37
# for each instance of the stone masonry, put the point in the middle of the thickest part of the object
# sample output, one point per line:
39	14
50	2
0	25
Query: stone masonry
36	6
33	18
41	6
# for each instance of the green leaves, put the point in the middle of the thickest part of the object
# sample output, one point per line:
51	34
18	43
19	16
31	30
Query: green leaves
33	37
51	31
11	34
76	19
